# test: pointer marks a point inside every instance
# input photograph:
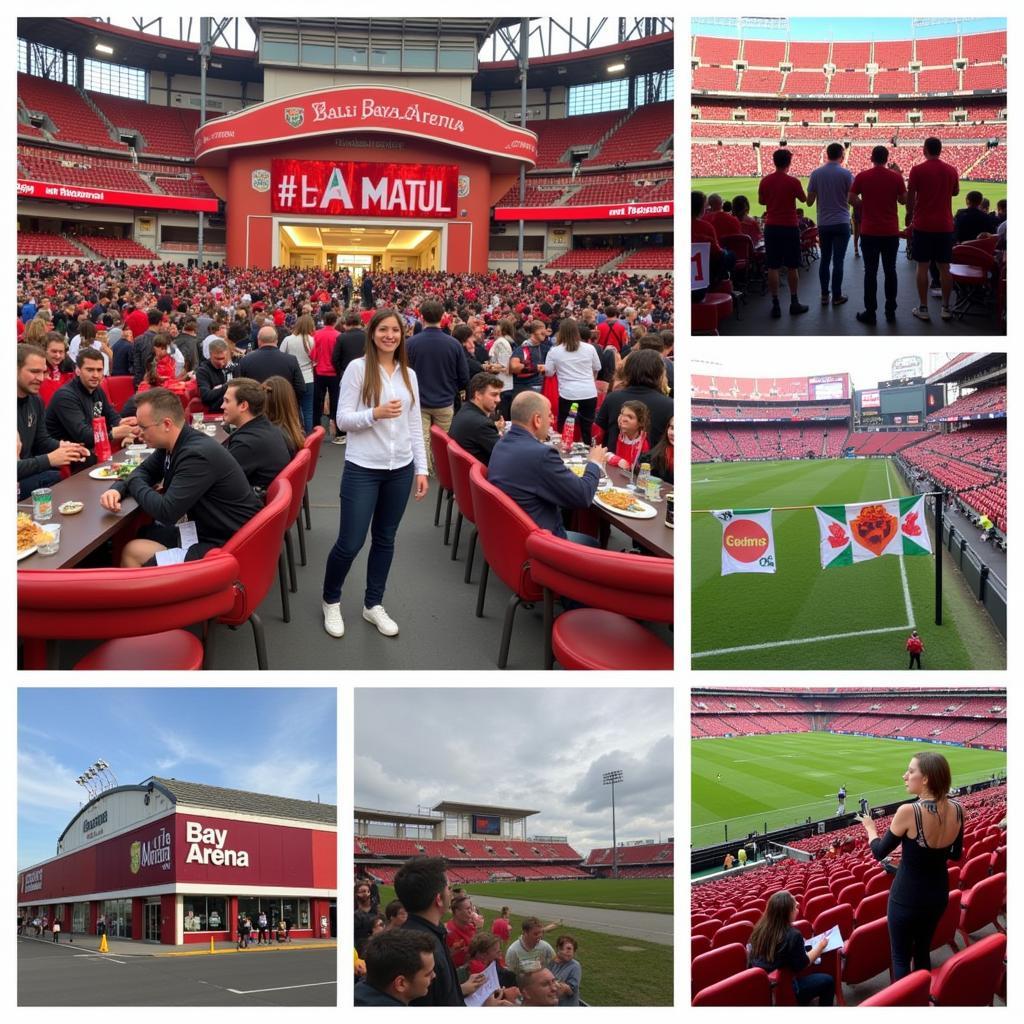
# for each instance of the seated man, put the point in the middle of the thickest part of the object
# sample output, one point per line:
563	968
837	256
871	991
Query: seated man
213	375
473	427
200	480
533	474
74	407
39	455
257	444
399	968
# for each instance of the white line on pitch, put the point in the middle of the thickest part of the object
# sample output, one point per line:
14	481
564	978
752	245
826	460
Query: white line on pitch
903	568
793	643
280	988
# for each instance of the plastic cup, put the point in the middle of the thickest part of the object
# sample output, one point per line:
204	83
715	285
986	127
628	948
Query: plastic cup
210	428
197	419
42	504
50	542
653	489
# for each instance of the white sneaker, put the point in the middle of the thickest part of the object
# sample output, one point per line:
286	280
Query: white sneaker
333	622
380	618
947	313
340	439
921	312
935	293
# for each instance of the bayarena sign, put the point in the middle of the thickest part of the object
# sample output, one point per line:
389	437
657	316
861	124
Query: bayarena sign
179	862
301	161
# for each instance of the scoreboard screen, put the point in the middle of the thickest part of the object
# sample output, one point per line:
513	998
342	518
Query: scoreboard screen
903	400
869	399
487	824
832	390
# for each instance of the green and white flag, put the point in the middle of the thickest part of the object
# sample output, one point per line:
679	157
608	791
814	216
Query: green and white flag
860	533
748	543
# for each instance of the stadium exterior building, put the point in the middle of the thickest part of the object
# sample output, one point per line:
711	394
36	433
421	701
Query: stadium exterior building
177	862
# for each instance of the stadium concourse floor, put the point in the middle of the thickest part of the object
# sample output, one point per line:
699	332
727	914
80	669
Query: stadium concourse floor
994	558
841	320
426	596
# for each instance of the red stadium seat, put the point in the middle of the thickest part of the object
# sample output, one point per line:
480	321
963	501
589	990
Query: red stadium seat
982	905
717	965
974	870
841	916
817	904
945	930
699	944
912	990
118	390
972	977
852	893
739	932
461	462
749	988
866	953
707	928
871	908
880	882
442	467
997	860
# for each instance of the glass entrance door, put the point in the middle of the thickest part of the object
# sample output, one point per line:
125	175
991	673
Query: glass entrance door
152	922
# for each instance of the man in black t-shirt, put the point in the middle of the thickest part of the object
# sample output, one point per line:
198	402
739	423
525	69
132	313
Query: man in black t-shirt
258	445
473	428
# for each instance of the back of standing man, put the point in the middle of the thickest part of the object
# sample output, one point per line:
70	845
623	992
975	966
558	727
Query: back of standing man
778	192
829	186
915	648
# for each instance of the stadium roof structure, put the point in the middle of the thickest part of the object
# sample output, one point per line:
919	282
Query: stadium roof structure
972	364
452	807
197	794
395	817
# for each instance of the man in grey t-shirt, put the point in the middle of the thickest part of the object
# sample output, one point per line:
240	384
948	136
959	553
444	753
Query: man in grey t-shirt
829	185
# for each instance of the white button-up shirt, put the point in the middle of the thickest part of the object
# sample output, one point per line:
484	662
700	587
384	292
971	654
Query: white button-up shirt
381	444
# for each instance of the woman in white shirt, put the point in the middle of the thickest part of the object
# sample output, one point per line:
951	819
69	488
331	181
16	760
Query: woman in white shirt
385	455
500	354
577	364
299	344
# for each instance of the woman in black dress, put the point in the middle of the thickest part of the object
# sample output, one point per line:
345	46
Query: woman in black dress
931	832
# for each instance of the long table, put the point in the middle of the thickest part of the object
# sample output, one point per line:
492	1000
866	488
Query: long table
651	534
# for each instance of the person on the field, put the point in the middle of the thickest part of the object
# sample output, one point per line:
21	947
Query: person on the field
915	648
778	192
829	187
529	948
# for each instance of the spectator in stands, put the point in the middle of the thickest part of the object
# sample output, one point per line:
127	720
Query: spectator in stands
395	914
529	948
58	366
269	361
40	456
186	341
218	332
722	260
350	343
930	190
930	832
644	380
829	187
257	445
214	374
364	876
123	358
400	968
200	480
741	856
876	193
421	883
662	455
1000	212
631	441
326	378
364	915
142	349
300	344
500	925
533	474
75	408
915	648
577	365
461	929
728	862
748	225
538	986
971	221
500	355
778	192
527	361
775	943
724	223
281	409
567	971
379	405
474	427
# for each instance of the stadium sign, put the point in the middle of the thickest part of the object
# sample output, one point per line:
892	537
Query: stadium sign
28	189
32	881
153	851
363	189
89	824
207	846
623	211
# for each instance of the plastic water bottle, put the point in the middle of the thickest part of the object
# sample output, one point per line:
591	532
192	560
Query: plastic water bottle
644	475
569	428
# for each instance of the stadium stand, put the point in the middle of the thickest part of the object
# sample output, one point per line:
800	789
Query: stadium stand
116	248
165	131
584	259
40	243
558	138
648	860
76	122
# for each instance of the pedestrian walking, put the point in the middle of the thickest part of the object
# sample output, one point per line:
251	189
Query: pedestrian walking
915	648
56	931
261	925
288	929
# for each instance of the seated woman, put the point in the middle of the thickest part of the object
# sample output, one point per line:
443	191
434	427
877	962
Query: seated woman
282	409
775	943
161	369
662	455
741	211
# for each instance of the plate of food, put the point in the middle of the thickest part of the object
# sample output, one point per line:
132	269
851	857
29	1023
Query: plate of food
623	503
30	534
71	508
111	471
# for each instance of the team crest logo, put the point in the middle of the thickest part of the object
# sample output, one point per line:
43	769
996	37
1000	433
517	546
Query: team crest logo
136	857
874	528
294	116
463	186
261	181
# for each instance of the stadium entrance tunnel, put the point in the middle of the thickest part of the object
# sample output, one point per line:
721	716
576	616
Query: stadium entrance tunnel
337	245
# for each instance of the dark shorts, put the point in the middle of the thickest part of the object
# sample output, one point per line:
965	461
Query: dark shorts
926	246
781	246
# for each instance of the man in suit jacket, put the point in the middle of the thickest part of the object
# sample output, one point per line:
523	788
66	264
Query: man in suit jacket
269	361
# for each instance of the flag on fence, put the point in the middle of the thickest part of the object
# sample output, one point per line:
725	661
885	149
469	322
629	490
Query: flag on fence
859	533
748	544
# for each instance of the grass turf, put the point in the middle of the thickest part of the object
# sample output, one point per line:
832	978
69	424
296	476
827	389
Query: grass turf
616	971
729	188
784	779
650	895
800	600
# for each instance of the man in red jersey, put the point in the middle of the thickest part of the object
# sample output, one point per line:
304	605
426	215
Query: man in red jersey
778	192
932	186
876	192
915	645
725	224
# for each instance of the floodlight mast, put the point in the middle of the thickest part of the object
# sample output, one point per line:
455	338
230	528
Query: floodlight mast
609	779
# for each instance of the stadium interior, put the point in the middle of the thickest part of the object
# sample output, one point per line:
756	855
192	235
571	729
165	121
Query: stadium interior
829	869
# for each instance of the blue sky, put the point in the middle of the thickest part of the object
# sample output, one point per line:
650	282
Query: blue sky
278	741
857	29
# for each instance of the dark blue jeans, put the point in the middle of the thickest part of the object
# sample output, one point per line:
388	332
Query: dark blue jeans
48	478
833	240
813	986
306	407
374	500
875	248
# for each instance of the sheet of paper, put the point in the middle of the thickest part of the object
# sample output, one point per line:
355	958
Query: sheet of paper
835	939
486	990
172	556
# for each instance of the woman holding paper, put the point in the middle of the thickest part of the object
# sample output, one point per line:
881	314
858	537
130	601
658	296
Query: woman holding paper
775	943
931	832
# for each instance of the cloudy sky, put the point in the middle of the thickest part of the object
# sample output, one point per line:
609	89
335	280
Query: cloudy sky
277	741
542	749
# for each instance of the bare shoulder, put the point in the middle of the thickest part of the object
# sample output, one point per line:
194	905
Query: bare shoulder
902	819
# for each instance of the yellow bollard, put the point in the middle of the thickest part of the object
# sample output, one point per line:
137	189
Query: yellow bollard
103	943
212	950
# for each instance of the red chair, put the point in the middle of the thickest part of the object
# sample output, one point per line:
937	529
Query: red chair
698	944
841	915
748	988
257	547
707	314
140	613
314	442
879	882
970	273
817	905
707	928
119	389
504	528
871	908
809	250
909	991
953	874
982	905
972	977
865	954
48	388
752	916
974	870
617	589
296	473
717	965
443	469
997	860
739	932
743	248
461	463
945	930
803	926
852	894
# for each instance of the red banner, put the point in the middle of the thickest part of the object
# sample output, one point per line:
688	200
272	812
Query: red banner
109	197
357	188
624	211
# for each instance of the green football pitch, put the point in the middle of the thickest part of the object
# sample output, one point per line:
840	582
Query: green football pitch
729	188
853	617
616	971
784	779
